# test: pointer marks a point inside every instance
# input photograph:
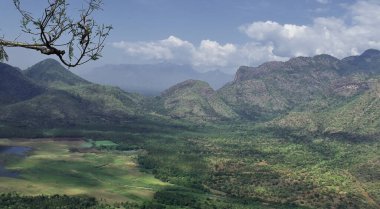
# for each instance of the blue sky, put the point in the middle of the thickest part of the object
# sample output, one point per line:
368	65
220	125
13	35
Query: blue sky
219	34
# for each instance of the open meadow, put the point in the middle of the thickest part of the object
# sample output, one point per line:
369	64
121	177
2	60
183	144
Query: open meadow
71	167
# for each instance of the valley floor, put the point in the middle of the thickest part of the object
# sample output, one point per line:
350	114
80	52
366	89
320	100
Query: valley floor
67	166
218	166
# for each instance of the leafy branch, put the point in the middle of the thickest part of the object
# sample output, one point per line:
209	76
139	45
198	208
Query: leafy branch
73	41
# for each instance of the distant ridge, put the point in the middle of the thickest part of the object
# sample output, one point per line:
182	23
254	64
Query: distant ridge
151	79
302	84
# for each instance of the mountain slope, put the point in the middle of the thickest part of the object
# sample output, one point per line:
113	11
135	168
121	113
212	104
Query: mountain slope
368	62
51	73
67	100
51	109
302	83
71	108
360	116
107	99
14	87
194	100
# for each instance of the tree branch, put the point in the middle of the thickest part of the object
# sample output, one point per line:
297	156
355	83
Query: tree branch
55	33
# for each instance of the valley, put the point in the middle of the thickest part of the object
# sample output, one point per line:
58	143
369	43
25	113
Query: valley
297	134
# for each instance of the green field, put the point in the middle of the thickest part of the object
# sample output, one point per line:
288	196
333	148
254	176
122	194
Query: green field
56	167
98	144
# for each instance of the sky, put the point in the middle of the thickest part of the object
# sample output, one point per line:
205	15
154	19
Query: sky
217	34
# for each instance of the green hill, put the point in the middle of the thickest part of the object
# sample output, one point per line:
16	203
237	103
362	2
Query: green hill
359	116
194	100
71	108
302	83
51	73
67	101
14	87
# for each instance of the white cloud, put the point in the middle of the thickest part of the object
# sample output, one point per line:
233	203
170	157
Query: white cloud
354	32
168	49
340	37
323	1
209	55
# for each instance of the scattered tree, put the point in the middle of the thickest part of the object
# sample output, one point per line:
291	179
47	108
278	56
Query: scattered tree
73	41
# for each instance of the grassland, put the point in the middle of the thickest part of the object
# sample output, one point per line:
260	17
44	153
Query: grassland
55	166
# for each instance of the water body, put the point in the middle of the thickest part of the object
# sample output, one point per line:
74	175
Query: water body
11	150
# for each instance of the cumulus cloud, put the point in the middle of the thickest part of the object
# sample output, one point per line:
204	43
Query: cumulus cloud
331	35
211	53
208	55
351	34
170	49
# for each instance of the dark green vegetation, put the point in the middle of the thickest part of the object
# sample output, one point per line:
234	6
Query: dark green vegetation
297	134
67	101
14	87
14	201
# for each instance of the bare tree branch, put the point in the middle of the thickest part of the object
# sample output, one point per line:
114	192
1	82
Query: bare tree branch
73	41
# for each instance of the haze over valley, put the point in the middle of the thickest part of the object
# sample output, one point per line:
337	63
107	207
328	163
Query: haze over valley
151	79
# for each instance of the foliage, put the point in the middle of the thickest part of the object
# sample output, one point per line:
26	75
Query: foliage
15	201
73	41
14	87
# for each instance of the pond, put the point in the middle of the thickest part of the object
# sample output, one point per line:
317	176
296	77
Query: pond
11	150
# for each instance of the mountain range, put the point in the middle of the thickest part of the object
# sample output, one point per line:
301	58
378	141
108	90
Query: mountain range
317	93
47	94
151	79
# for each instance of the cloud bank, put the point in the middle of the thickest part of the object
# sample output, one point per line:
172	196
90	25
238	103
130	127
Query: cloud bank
209	54
350	34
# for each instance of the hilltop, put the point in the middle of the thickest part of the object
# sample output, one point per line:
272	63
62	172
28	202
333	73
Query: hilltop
48	95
